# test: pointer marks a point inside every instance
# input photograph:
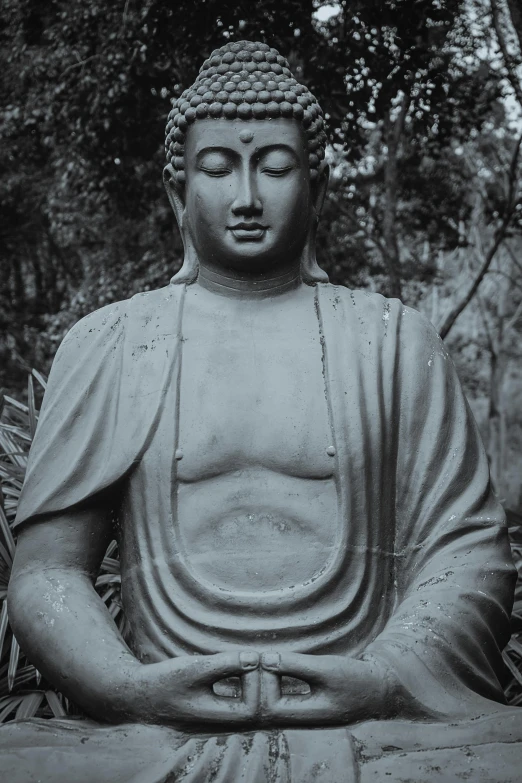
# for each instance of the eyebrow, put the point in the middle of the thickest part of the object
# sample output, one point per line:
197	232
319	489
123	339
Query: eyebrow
259	151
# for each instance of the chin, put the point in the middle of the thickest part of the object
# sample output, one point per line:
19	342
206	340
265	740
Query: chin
248	258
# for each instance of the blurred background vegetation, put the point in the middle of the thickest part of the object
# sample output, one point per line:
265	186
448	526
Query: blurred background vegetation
423	100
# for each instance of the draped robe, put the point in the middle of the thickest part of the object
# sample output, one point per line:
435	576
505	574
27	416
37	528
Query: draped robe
422	578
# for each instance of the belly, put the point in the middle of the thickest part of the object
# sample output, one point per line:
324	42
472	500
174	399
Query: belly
256	530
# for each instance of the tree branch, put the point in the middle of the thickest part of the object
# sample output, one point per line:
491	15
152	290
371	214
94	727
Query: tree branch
393	134
508	60
514	318
499	237
515	9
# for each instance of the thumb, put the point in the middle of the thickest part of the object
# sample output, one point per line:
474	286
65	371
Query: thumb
304	667
228	664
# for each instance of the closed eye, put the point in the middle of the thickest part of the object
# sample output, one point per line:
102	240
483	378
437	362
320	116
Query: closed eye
221	172
279	172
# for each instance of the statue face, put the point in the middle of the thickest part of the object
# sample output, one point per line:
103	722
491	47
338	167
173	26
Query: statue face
247	193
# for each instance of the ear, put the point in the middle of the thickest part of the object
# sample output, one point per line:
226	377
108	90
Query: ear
311	272
320	186
190	267
174	192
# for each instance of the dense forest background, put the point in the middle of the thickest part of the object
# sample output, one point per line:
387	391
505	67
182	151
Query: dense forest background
424	106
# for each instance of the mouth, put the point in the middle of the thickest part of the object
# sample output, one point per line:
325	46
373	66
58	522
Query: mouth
249	232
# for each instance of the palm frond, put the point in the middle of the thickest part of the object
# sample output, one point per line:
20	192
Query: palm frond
29	705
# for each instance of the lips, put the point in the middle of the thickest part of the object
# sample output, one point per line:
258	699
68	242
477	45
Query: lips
249	232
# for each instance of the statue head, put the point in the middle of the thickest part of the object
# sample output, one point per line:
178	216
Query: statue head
246	174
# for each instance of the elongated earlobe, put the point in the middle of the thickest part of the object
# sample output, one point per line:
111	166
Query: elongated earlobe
311	272
190	267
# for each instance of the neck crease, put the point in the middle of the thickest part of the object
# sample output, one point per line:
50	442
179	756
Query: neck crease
246	288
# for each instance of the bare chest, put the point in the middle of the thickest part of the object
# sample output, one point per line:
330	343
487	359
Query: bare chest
252	391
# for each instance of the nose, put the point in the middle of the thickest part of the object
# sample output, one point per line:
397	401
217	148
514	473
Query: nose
247	202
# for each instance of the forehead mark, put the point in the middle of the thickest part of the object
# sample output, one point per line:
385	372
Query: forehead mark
246	136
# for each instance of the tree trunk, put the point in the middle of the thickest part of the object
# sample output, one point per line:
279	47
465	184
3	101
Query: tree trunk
494	421
515	10
393	135
510	61
497	407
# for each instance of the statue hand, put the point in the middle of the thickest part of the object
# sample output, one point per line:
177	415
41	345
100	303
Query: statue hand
342	690
179	690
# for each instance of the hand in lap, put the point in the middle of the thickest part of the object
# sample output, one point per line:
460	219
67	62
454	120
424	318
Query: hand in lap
341	690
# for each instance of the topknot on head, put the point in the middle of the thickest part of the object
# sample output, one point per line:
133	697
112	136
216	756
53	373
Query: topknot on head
245	80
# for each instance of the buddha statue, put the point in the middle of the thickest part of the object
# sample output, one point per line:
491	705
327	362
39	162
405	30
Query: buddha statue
315	573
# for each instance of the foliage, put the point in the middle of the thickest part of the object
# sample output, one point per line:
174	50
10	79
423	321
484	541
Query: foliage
23	692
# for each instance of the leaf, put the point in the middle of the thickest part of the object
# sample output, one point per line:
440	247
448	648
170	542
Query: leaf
15	430
31	406
110	550
4	554
13	663
40	378
5	530
108	593
107	579
512	668
24	676
111	565
10	475
11	705
55	704
515	645
4	624
29	705
18	405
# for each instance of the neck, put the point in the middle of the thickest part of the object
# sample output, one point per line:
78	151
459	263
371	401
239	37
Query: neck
248	286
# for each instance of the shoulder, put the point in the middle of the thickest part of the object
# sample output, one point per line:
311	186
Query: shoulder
394	331
380	310
105	325
366	303
110	323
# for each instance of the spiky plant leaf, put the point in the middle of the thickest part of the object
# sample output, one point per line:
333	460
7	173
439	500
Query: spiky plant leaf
515	645
40	378
14	657
512	668
4	622
29	705
7	538
33	419
57	708
10	707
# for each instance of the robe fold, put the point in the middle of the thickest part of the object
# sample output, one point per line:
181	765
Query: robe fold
422	579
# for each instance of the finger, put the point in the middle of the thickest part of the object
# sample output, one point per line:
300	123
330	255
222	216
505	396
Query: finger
304	667
305	711
210	668
220	710
270	691
251	691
